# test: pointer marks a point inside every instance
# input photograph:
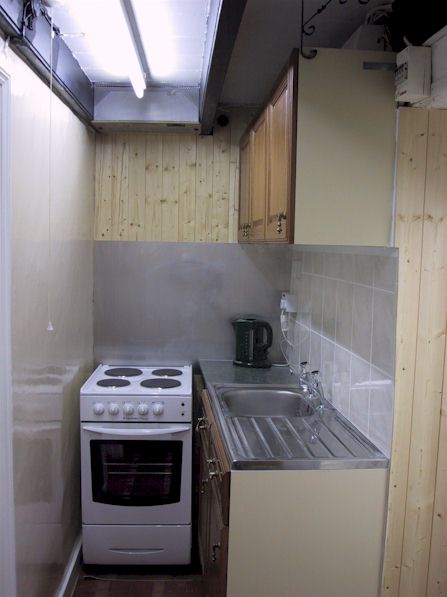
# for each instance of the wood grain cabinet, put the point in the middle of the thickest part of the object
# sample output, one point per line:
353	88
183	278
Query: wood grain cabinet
214	487
266	160
329	156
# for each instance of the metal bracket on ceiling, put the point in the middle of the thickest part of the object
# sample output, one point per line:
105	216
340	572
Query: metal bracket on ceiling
307	28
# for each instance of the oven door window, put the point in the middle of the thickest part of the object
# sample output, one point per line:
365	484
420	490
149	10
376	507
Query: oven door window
135	472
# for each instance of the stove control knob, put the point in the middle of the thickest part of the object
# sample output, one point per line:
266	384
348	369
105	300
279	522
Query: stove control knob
158	408
114	408
128	409
143	409
98	408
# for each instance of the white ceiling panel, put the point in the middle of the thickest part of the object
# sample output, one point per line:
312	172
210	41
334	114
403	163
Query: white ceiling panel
167	29
173	35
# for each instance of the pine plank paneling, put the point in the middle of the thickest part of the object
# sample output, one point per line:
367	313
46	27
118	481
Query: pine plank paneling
154	187
221	185
437	577
137	185
120	188
429	365
204	188
103	188
416	541
170	194
410	192
187	182
169	187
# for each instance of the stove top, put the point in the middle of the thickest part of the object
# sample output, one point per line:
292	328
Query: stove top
114	380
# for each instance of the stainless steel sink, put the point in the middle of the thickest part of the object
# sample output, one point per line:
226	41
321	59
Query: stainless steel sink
261	401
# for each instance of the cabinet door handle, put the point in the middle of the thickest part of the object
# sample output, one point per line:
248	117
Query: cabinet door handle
202	423
280	217
216	546
203	485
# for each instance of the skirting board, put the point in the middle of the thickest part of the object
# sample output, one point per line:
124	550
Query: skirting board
71	574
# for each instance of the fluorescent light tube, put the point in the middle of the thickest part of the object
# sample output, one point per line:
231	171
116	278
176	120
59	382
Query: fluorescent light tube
108	39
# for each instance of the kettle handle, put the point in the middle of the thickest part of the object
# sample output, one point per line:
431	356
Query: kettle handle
268	328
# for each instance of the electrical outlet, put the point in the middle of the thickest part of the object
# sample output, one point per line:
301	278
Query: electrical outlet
288	302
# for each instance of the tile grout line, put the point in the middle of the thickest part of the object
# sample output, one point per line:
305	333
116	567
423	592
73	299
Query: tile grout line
368	363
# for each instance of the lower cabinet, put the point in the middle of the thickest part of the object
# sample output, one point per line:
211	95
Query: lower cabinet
214	494
287	533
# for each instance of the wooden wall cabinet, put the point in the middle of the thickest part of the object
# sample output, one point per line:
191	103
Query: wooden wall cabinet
346	137
267	156
330	153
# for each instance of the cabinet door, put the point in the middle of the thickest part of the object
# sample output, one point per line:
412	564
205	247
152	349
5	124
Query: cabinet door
281	125
346	148
258	179
204	493
244	189
217	550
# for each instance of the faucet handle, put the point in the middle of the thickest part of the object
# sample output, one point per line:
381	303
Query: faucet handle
304	368
316	375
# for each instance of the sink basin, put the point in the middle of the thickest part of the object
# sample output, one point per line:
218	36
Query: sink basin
264	402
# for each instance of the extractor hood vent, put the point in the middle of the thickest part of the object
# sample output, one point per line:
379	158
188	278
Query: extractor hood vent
177	128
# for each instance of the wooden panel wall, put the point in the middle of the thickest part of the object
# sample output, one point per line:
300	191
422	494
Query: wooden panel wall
169	187
415	563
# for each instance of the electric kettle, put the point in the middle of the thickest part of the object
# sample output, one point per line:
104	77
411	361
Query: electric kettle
253	339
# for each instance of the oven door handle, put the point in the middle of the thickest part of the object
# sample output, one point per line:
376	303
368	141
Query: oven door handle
136	432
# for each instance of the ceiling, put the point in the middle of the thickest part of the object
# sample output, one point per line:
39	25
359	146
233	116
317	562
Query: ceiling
269	31
171	61
173	35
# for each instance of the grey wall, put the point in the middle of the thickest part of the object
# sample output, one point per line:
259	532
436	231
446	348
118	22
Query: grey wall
171	302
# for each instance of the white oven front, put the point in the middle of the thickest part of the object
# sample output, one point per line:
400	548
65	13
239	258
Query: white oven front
136	473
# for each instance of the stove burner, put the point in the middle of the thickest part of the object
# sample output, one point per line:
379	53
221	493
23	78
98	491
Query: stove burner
113	383
123	372
161	384
167	372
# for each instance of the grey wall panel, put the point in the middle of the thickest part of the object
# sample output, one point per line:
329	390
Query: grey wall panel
172	302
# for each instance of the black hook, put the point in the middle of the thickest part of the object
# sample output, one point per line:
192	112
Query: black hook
309	29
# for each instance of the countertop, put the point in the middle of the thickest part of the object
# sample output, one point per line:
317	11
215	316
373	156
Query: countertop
327	441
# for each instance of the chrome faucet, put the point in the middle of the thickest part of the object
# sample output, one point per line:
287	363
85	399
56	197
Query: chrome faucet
311	382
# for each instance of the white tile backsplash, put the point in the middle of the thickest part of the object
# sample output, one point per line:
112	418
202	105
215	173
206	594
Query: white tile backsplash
345	327
362	316
343	317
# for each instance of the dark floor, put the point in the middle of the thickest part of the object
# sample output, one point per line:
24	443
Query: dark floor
191	587
127	583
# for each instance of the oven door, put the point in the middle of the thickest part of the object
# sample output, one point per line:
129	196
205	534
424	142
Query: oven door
136	473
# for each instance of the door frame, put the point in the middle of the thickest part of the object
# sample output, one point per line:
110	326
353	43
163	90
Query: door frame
7	515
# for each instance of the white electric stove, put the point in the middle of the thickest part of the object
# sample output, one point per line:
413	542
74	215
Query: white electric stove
136	437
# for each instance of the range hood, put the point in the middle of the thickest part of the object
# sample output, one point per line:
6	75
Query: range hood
197	34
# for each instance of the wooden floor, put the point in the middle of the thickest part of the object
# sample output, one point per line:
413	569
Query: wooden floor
89	587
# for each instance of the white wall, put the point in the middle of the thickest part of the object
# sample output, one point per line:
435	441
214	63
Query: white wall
48	367
345	327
